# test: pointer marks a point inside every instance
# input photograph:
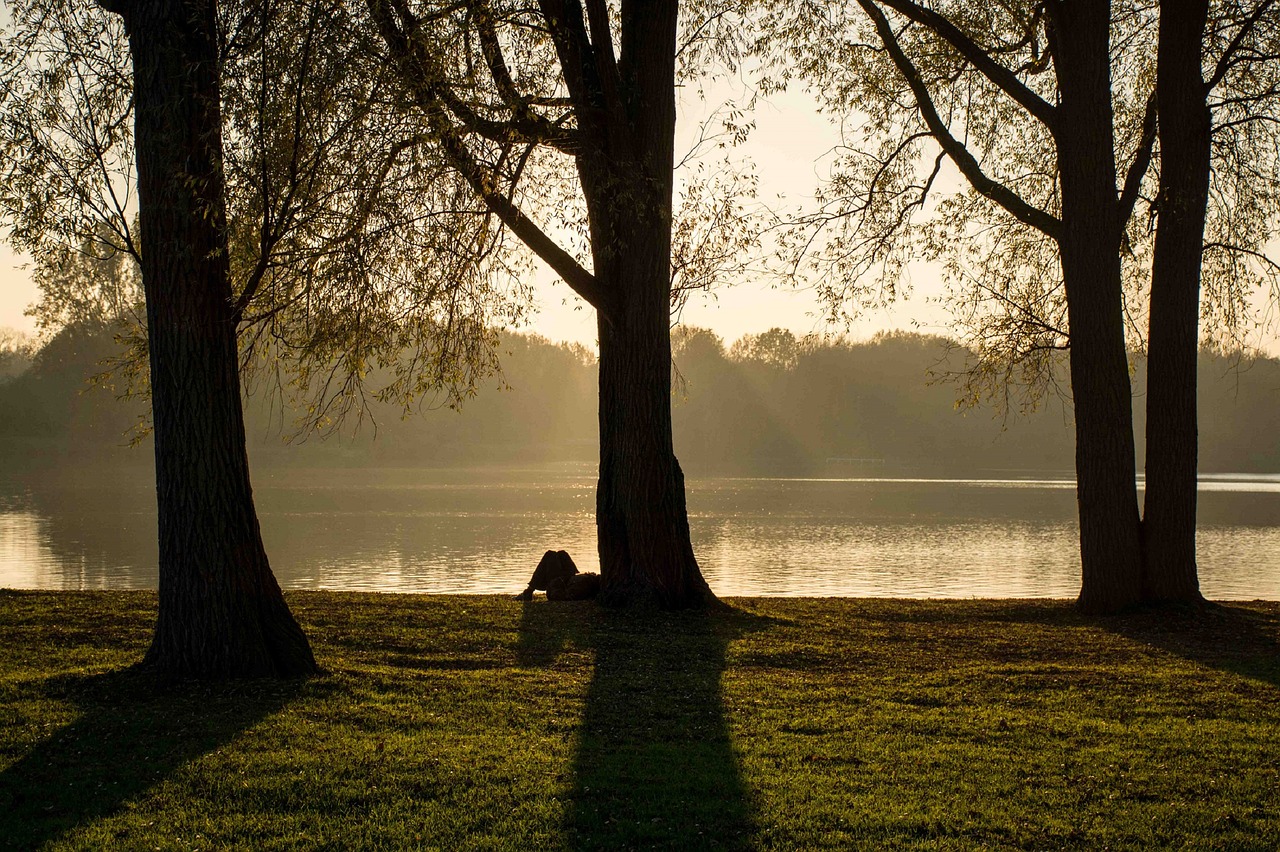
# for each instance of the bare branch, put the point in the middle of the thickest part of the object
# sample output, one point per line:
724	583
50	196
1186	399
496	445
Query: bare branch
959	154
1002	77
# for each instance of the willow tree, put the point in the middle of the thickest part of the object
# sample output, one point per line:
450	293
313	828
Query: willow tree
557	107
1047	113
243	162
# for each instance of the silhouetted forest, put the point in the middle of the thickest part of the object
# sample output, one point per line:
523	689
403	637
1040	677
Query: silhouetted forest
768	404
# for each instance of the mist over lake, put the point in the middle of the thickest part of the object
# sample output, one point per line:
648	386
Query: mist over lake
814	469
482	531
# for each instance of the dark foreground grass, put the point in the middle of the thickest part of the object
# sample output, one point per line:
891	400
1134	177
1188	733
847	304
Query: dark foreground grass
480	722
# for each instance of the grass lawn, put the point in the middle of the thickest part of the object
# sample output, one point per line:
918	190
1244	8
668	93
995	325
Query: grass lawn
484	723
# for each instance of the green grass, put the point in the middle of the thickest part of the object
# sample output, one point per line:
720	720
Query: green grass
483	723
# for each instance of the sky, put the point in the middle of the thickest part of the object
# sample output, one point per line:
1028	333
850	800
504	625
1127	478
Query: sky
787	147
790	147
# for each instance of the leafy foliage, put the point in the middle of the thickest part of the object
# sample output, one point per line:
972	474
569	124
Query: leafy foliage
352	250
900	191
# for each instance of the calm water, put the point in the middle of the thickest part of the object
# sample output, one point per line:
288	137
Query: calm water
462	531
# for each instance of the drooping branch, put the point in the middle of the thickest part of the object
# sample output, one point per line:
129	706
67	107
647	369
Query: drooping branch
430	97
1013	203
528	127
481	182
1001	76
402	31
1229	56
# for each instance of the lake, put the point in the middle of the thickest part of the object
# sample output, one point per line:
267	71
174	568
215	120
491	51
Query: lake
434	531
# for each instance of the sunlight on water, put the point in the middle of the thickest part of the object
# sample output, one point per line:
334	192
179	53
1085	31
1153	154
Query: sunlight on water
24	560
441	532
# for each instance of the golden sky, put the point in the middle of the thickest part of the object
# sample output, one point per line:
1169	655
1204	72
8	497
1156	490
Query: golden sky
789	147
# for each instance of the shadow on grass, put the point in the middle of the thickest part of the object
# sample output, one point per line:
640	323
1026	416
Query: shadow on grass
132	733
654	766
1230	637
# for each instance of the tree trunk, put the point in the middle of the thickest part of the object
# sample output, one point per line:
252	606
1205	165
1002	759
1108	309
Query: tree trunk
1169	518
221	612
1110	535
643	529
646	554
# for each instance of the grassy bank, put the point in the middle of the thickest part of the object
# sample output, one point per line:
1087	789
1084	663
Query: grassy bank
479	722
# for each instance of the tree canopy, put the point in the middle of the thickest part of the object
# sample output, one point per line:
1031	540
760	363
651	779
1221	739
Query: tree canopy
350	247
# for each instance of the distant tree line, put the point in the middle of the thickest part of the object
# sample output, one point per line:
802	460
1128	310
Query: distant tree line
771	404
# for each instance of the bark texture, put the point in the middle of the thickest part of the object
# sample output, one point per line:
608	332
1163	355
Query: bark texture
1110	534
221	612
625	167
1169	516
646	553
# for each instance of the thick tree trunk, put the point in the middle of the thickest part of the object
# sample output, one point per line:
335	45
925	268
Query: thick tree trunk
1169	518
646	554
1110	536
221	612
643	529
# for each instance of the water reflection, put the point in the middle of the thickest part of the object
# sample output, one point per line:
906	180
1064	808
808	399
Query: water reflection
436	531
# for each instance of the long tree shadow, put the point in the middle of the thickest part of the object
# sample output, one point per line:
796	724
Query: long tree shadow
1229	636
655	766
132	733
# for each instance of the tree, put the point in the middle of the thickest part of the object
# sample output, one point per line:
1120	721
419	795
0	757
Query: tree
1186	139
1074	208
776	347
1169	512
352	255
16	352
221	611
341	257
505	88
1050	110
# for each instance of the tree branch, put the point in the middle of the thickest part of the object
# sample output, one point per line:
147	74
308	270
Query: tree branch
1141	162
480	179
573	48
606	61
1013	203
1226	60
578	278
420	71
534	127
1002	77
528	128
491	48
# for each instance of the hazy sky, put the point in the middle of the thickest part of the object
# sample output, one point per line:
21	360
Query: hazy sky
789	141
788	148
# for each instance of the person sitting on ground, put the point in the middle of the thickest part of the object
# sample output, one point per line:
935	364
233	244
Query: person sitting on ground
576	587
559	578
